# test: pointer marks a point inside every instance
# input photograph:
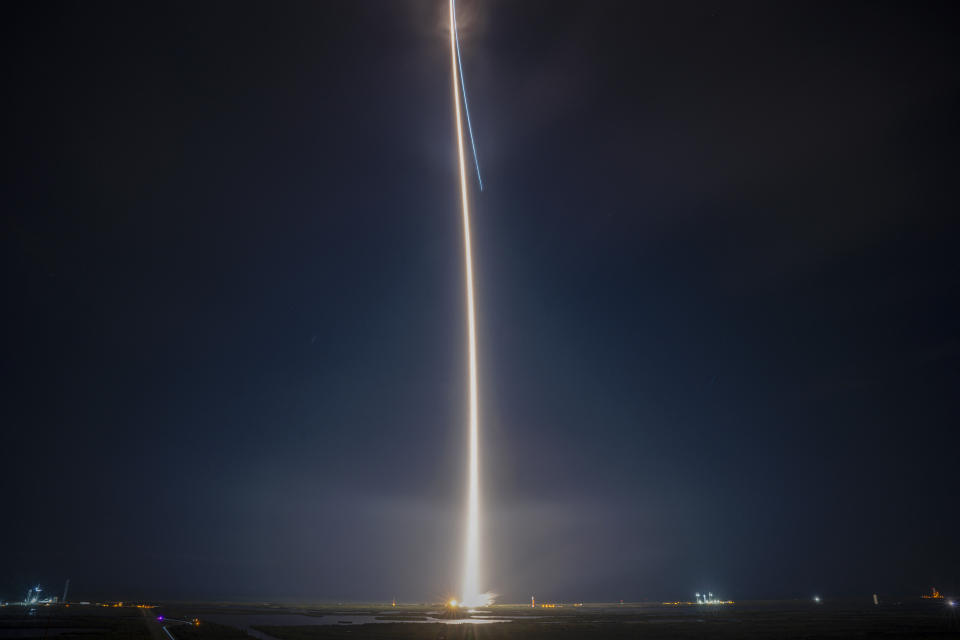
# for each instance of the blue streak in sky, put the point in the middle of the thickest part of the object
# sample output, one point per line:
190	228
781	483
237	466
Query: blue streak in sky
463	86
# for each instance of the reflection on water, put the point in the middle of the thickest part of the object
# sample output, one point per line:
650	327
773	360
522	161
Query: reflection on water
244	621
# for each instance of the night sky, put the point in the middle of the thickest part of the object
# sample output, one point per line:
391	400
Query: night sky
719	312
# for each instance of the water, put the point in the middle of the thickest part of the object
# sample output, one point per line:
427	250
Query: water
244	621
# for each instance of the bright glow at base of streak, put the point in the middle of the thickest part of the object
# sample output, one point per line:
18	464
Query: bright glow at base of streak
471	594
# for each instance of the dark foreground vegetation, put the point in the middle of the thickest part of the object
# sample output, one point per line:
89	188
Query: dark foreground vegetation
75	621
207	631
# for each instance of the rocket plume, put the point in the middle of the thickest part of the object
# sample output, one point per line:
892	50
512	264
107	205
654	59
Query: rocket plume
471	594
466	103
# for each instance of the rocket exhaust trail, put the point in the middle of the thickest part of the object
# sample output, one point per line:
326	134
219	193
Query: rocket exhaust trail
466	104
471	594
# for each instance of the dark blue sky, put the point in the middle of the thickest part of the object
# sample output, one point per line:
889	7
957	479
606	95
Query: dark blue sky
717	296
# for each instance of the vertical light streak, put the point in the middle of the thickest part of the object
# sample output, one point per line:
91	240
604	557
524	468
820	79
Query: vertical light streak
466	103
471	595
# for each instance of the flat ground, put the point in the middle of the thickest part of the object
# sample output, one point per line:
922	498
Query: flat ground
776	619
782	619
